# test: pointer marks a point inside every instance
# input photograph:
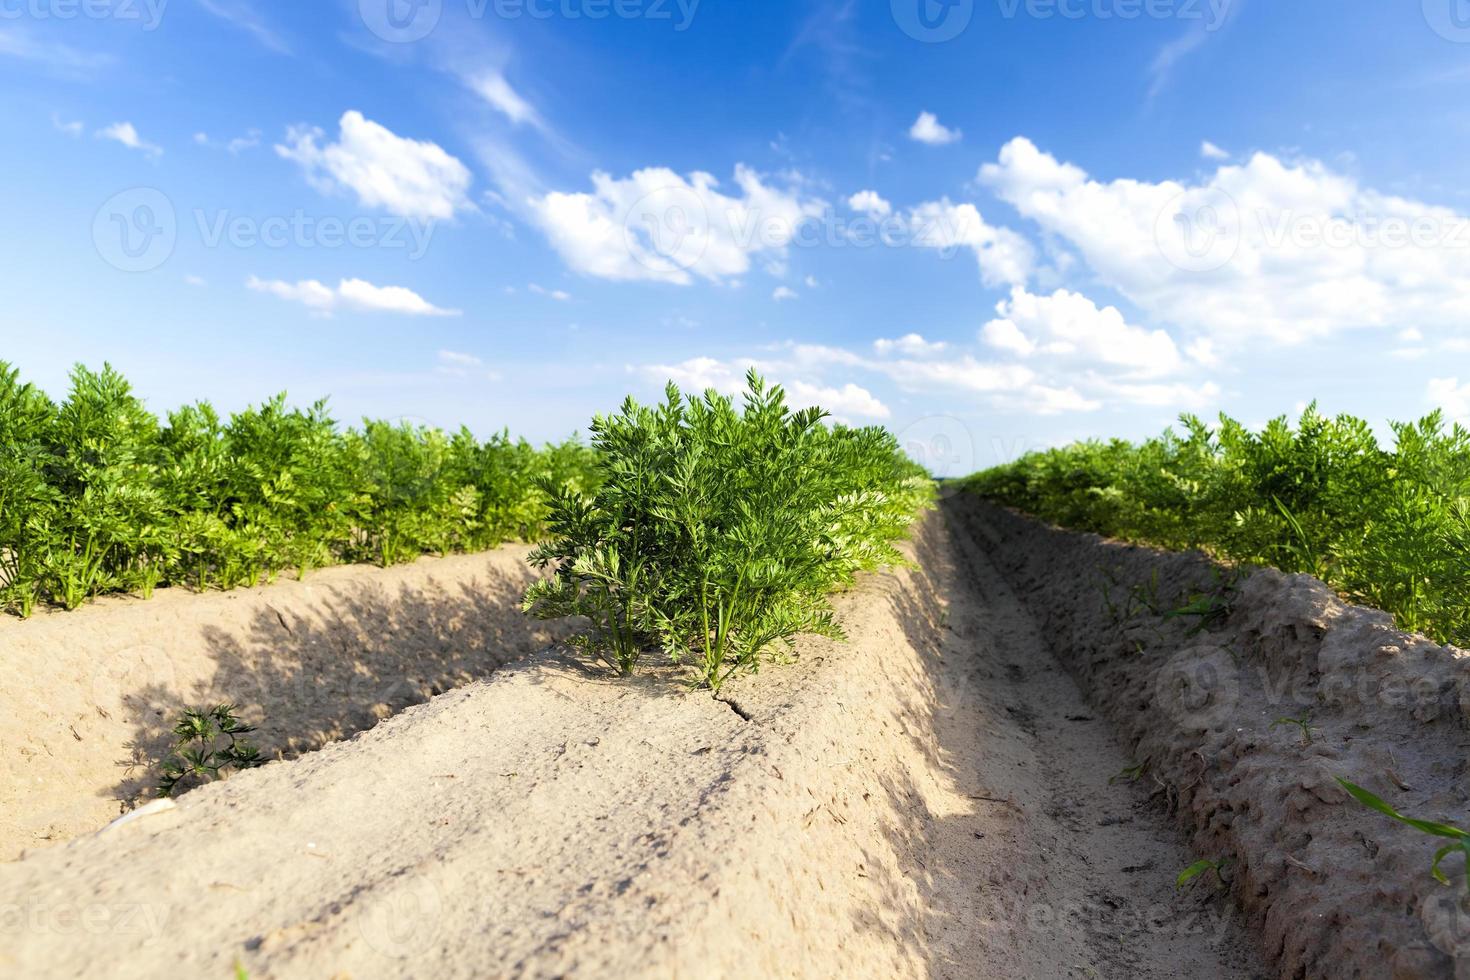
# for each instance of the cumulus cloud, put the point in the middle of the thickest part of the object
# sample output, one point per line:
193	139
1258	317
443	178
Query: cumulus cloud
406	177
1005	257
783	293
560	295
1067	325
350	294
657	225
1210	151
911	344
870	202
1265	249
928	129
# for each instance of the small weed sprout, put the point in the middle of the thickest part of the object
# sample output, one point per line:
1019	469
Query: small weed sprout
1202	867
1304	723
1144	596
1208	609
1460	837
1130	773
206	743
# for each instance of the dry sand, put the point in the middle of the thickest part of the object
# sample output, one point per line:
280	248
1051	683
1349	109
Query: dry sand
1334	890
86	697
931	799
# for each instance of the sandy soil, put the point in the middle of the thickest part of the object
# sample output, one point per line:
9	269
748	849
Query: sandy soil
931	799
86	698
1335	890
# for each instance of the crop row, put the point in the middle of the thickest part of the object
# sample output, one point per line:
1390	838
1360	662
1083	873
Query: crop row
99	495
1389	527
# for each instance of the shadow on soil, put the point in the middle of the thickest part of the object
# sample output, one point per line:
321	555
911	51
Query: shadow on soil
319	673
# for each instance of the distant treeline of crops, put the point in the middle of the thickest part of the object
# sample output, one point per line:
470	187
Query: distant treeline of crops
99	495
1386	527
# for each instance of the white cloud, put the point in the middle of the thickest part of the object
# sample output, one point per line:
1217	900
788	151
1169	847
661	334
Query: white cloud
656	225
495	90
127	134
1202	351
405	177
1453	397
928	129
72	129
242	143
59	59
1005	257
1069	326
1286	251
350	294
912	345
456	359
245	15
1210	151
845	402
235	146
963	373
812	283
869	202
783	293
699	374
1004	335
196	281
556	294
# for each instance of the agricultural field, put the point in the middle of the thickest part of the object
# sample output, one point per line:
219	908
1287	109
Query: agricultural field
693	489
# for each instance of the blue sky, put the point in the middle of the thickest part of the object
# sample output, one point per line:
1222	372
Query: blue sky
990	225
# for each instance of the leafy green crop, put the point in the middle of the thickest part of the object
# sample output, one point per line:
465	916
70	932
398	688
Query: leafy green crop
716	534
206	743
98	495
1386	527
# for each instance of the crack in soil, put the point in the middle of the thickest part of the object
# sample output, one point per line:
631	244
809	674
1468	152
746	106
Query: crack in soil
734	706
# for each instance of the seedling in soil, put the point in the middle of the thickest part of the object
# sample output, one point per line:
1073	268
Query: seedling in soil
1202	867
1209	609
1304	723
206	744
1131	773
1145	596
1460	837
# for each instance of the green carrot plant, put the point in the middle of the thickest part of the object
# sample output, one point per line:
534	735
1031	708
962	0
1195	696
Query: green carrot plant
207	743
98	495
1385	524
716	533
